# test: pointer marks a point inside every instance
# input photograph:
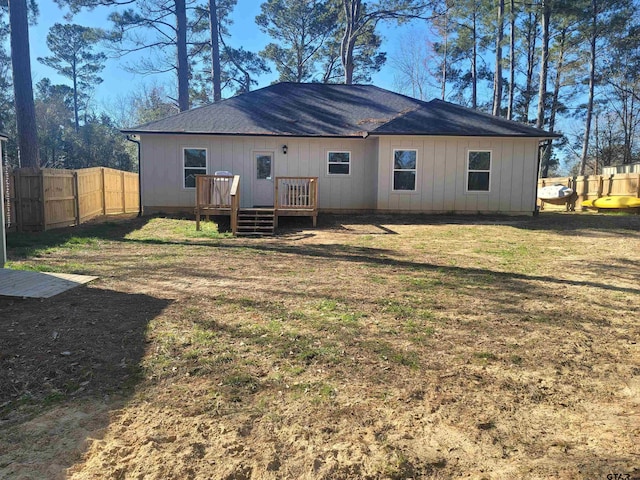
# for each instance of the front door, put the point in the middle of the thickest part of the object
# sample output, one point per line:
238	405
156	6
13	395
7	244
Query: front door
263	187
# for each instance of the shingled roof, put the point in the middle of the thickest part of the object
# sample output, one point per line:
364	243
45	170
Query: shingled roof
329	110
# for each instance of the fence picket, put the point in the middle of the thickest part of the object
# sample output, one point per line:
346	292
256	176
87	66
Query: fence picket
50	198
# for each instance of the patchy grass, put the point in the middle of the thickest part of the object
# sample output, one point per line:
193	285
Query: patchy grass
371	347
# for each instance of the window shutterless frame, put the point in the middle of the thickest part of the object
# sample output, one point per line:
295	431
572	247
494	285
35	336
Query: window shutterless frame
478	171
339	162
194	162
404	170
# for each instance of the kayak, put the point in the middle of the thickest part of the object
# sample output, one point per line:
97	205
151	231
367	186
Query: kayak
619	201
554	192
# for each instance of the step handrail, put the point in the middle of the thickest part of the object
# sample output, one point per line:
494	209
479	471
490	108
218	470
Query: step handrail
235	203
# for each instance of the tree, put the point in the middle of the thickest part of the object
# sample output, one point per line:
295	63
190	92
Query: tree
167	23
512	58
606	17
497	76
229	68
361	17
544	61
622	90
73	57
467	15
530	27
412	65
302	28
368	58
22	84
54	112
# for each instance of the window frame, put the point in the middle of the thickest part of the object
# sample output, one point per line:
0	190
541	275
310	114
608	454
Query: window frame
185	168
468	170
394	170
329	152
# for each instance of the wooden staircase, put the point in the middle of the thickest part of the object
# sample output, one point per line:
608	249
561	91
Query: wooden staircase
255	222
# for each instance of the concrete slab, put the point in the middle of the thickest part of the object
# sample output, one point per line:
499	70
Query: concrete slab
27	284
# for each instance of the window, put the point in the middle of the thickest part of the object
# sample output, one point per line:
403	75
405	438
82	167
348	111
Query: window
339	163
478	171
404	170
263	166
195	163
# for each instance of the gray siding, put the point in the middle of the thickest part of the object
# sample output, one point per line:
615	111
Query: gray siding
162	168
442	173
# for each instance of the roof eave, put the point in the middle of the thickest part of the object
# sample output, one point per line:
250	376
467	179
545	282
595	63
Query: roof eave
541	135
242	134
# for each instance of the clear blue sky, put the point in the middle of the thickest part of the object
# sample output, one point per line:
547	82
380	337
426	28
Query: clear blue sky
118	82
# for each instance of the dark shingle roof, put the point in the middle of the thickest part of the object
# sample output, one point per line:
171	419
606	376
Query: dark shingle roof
322	110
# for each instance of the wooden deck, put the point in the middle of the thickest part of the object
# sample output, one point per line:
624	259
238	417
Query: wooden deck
220	195
27	284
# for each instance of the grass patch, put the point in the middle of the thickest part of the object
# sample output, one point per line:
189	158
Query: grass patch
314	339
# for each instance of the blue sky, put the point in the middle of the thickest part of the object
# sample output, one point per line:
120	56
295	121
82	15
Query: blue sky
118	82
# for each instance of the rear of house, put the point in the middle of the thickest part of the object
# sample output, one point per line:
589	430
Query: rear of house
370	150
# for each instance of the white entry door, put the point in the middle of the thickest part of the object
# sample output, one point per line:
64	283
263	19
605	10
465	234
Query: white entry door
263	187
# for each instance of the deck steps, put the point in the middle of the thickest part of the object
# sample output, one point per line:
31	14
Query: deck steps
253	222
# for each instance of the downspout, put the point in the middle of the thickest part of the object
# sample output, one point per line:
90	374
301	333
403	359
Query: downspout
541	146
132	139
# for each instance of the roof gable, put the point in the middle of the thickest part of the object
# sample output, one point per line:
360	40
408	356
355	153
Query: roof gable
332	110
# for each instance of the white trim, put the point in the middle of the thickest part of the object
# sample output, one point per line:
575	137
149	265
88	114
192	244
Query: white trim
467	171
338	163
183	168
393	170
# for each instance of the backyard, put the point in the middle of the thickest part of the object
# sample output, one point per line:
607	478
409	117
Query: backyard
373	347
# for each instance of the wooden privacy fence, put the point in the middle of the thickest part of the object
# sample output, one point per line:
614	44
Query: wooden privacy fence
51	198
590	187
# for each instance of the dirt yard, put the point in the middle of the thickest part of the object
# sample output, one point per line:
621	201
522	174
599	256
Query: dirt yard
369	348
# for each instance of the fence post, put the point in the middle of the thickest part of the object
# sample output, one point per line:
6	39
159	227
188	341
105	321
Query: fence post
124	196
42	201
17	200
76	195
104	193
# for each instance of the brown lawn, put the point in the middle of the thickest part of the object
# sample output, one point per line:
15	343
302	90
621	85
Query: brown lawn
371	347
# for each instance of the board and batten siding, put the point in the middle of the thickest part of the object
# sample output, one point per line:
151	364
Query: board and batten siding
162	168
442	175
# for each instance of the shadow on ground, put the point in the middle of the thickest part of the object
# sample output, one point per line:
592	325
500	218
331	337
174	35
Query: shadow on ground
80	346
83	342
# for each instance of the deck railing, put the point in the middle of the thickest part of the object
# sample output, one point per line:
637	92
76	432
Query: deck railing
213	191
216	195
296	193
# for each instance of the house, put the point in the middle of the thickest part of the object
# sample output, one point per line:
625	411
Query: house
624	168
360	147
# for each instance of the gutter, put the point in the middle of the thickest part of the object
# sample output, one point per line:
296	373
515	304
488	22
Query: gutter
131	138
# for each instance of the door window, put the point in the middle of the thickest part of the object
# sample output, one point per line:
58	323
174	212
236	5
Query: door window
263	166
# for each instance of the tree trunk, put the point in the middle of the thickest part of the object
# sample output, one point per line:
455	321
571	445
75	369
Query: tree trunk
474	65
443	89
592	82
512	60
557	83
215	51
497	77
544	63
183	60
75	98
352	10
22	85
531	62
